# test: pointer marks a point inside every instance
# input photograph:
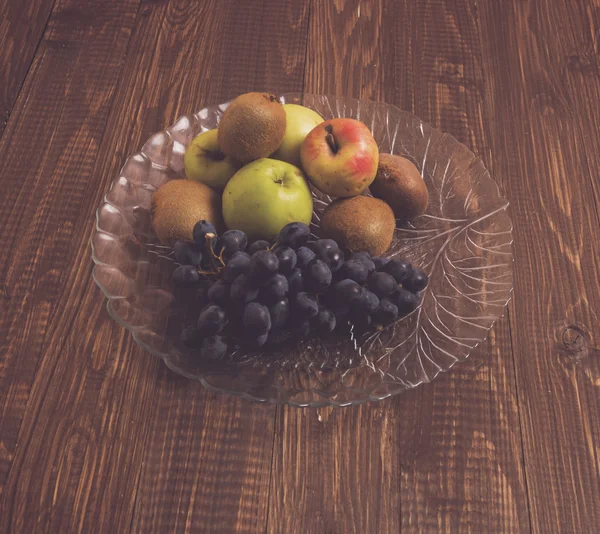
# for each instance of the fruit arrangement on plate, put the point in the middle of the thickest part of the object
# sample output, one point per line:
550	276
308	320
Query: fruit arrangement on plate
249	250
145	232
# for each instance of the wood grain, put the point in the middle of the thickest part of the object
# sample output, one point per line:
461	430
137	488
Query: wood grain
542	163
207	468
175	81
456	440
97	436
338	469
462	457
48	428
22	24
40	203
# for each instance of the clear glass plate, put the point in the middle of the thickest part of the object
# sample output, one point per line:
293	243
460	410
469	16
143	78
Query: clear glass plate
464	243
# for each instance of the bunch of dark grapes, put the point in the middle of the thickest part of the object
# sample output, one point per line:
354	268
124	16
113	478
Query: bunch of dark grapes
263	294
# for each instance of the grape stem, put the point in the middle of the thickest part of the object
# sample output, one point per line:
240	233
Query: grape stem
210	238
216	269
206	273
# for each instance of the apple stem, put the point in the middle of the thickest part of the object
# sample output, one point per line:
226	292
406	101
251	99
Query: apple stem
331	142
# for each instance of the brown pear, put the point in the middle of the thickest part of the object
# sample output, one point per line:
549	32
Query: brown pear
399	183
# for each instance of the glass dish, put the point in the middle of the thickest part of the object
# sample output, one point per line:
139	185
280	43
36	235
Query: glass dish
464	243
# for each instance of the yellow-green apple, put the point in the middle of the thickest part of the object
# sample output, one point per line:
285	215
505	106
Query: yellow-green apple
205	163
300	120
264	196
340	157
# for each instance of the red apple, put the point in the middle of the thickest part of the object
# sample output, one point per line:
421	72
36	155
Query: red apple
340	157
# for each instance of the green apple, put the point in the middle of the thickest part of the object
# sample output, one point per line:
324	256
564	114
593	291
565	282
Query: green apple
264	196
205	163
299	121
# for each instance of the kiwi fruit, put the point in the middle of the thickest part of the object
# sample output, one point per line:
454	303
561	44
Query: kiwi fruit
360	223
252	127
399	183
178	205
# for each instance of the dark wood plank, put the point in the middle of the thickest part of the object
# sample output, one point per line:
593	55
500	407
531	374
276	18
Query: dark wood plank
107	418
537	133
461	449
22	24
207	459
339	469
577	57
48	151
446	456
63	109
97	436
463	469
336	470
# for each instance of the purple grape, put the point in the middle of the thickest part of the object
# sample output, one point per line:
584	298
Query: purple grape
274	289
212	320
305	305
186	276
365	259
325	321
416	282
242	290
213	348
321	246
317	276
287	260
257	319
258	245
380	262
399	269
405	301
304	256
187	253
263	264
218	293
294	234
190	337
280	313
354	270
231	242
334	258
387	312
382	284
368	302
201	230
346	292
238	264
296	281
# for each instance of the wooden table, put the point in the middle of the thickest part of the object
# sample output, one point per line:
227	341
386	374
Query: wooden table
97	436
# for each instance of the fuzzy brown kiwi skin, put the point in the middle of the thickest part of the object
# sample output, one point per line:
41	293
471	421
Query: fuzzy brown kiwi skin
399	183
252	127
178	205
360	223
